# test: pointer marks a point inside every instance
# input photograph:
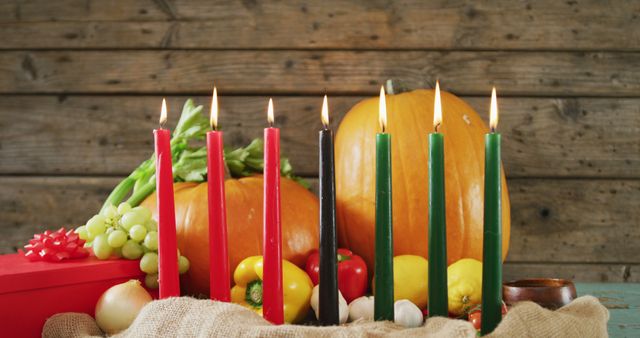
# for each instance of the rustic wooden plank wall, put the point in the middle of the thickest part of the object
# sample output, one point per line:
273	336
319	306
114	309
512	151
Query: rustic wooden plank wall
80	82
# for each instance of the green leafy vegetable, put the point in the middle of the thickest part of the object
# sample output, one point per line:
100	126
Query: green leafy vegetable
190	163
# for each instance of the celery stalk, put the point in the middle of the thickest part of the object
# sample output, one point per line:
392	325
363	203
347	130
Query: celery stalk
190	163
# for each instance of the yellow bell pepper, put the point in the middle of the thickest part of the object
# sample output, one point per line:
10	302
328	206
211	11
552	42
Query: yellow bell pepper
296	284
464	283
410	279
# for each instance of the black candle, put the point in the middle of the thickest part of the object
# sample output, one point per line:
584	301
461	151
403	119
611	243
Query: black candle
328	300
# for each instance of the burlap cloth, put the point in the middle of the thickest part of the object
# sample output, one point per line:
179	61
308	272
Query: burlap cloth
188	317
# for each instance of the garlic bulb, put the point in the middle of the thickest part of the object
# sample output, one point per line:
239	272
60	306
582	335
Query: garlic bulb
361	308
342	304
407	314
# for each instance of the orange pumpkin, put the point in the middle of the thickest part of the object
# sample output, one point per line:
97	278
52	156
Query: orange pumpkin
410	119
299	208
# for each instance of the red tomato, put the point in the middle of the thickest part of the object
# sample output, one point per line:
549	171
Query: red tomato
475	315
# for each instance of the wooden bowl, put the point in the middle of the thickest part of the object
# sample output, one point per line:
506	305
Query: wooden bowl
547	292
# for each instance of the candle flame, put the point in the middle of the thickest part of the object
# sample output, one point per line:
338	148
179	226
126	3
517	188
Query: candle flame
493	119
163	112
325	113
213	119
437	108
270	112
382	110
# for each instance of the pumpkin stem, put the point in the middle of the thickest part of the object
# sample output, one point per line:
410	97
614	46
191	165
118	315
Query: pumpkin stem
392	87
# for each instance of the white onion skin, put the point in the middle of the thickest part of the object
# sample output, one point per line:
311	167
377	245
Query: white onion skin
119	306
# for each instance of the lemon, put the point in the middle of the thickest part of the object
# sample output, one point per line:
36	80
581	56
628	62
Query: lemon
465	285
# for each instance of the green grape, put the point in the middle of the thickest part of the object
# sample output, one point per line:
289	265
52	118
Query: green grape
151	281
110	212
137	232
123	208
117	238
117	252
151	240
151	225
132	218
95	225
149	262
82	232
183	264
146	213
101	247
131	250
90	237
109	230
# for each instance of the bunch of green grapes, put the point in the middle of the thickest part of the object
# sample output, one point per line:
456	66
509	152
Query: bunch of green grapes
127	232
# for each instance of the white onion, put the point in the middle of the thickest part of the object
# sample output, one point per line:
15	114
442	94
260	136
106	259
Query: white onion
119	306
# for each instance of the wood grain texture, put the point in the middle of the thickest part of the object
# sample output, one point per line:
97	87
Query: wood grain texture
605	273
461	24
29	205
574	221
110	135
311	72
559	221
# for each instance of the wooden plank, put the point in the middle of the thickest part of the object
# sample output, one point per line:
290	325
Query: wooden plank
578	272
462	24
80	10
568	137
33	204
570	222
308	72
574	220
110	135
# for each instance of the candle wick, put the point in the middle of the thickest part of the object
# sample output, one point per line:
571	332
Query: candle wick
270	124
437	127
162	123
492	129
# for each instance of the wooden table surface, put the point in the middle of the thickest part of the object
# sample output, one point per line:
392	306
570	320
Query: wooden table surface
623	302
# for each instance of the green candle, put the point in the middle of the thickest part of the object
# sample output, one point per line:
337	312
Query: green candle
438	294
383	301
492	243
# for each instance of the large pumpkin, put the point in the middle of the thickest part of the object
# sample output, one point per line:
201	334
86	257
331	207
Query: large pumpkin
299	209
410	119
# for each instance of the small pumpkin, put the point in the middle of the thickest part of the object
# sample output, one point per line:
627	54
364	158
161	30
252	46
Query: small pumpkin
410	119
299	212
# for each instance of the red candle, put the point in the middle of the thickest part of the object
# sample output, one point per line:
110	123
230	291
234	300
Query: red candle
272	305
167	246
219	279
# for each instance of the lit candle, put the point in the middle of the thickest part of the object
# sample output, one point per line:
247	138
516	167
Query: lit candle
383	301
168	280
272	303
437	278
219	278
492	242
329	314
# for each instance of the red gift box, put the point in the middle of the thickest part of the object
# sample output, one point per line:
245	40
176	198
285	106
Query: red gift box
31	292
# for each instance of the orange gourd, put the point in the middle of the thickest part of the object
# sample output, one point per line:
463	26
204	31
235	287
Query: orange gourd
410	119
244	224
